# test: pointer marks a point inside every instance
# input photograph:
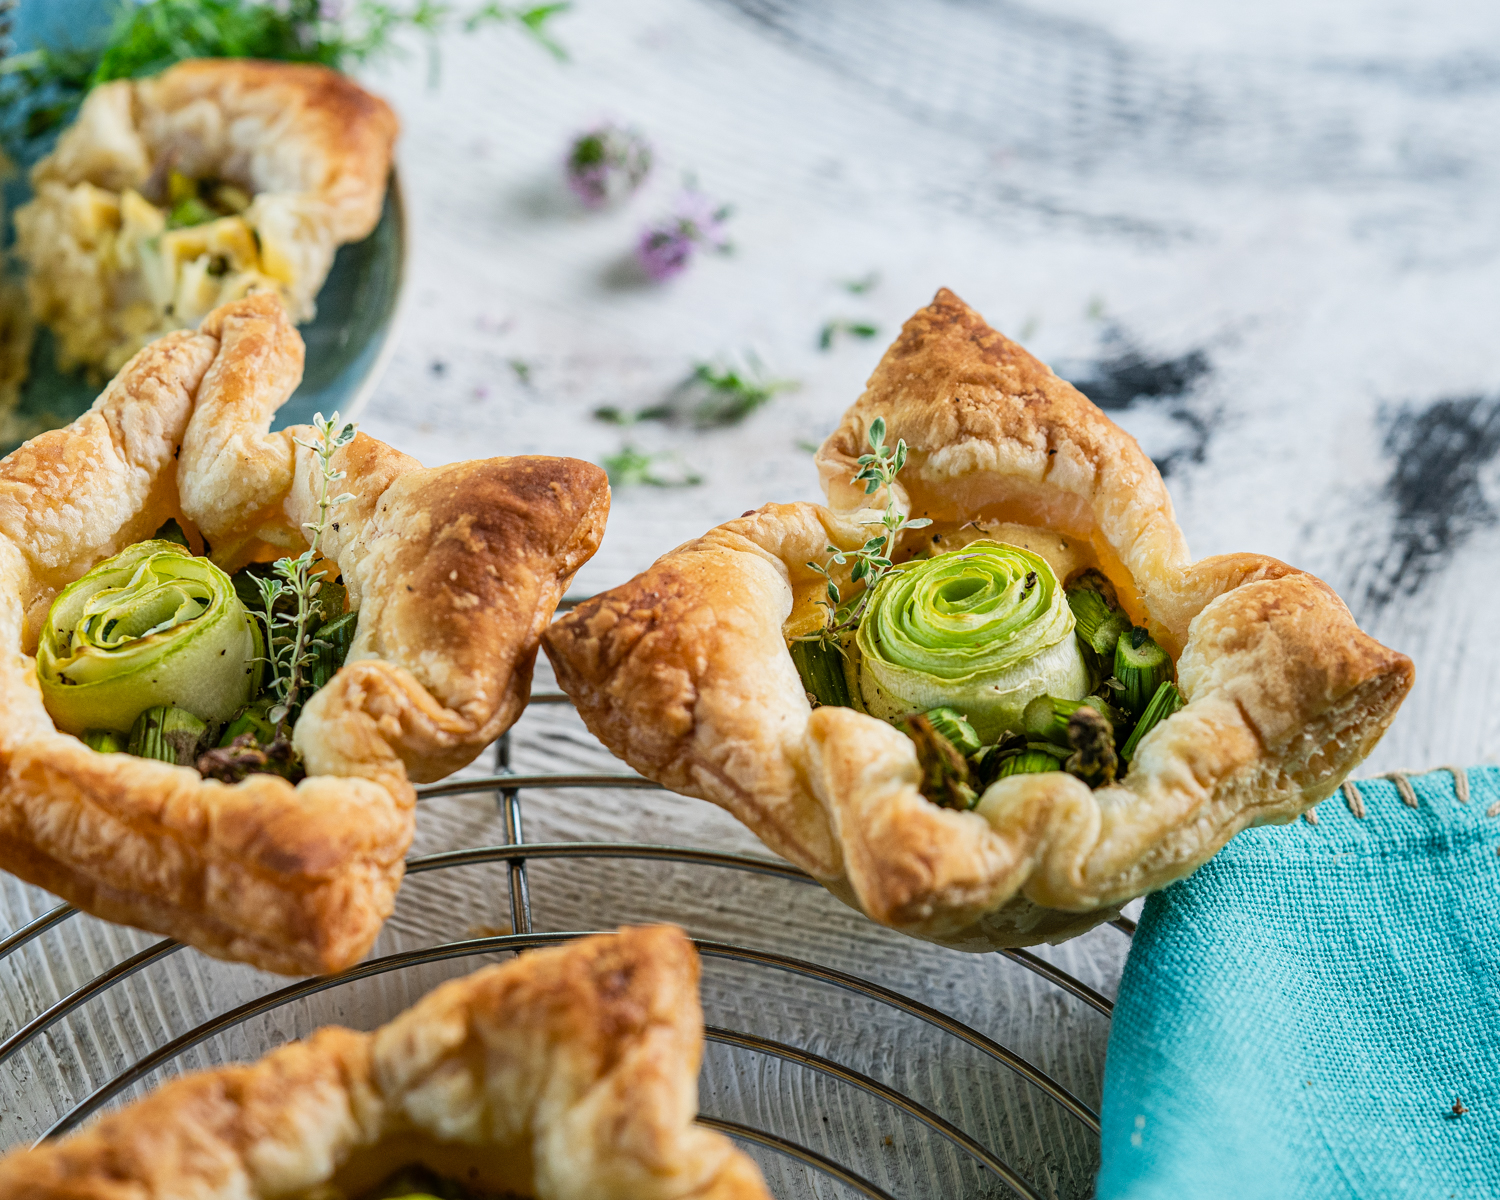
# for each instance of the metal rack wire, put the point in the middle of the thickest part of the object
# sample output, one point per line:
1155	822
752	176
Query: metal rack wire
516	853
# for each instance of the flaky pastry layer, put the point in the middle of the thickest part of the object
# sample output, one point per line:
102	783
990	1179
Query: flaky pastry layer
566	1074
684	672
455	572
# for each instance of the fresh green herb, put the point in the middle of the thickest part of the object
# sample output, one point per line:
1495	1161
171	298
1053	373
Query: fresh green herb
42	88
522	370
804	445
728	396
39	90
858	287
291	647
711	397
872	560
632	467
833	329
534	19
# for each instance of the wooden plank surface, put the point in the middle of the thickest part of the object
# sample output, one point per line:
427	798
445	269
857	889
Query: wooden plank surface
1265	239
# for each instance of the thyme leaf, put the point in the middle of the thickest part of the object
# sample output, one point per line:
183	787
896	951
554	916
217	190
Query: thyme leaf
833	330
289	607
713	396
873	560
632	467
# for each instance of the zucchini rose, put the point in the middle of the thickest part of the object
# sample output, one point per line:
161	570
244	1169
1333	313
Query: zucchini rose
154	625
984	630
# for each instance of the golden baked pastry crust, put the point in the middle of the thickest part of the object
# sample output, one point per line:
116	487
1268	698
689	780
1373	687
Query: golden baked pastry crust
455	572
569	1073
684	673
310	147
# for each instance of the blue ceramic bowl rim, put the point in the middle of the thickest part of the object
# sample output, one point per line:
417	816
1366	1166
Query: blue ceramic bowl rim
382	361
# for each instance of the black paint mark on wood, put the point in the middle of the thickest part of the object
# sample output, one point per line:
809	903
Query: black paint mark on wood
1127	377
1130	376
1439	455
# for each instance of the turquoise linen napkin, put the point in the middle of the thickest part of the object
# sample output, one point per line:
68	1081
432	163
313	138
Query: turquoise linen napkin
1298	1018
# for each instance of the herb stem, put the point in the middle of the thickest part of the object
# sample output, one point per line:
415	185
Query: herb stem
290	646
873	560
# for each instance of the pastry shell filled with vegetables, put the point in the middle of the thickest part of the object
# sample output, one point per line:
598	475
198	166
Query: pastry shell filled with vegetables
171	195
229	653
1041	709
568	1073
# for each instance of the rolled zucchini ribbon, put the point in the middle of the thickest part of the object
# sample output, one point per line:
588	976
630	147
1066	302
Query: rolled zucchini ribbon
153	626
983	630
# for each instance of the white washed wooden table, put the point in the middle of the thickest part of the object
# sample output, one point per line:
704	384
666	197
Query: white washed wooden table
1266	237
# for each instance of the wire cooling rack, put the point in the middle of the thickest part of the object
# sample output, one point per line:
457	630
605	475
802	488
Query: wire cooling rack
989	1173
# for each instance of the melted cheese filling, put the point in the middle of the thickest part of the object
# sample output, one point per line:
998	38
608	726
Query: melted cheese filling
108	276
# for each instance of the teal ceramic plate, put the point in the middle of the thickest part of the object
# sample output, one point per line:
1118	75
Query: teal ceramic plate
349	342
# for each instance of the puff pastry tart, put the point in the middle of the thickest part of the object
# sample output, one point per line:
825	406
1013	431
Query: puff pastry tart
171	195
448	576
566	1074
1042	709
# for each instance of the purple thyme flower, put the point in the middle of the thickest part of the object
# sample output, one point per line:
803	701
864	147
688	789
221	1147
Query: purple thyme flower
606	164
331	10
667	246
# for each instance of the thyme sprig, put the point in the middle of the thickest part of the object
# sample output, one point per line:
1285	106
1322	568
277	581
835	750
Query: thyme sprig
632	467
713	396
873	560
291	647
730	395
841	327
533	19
